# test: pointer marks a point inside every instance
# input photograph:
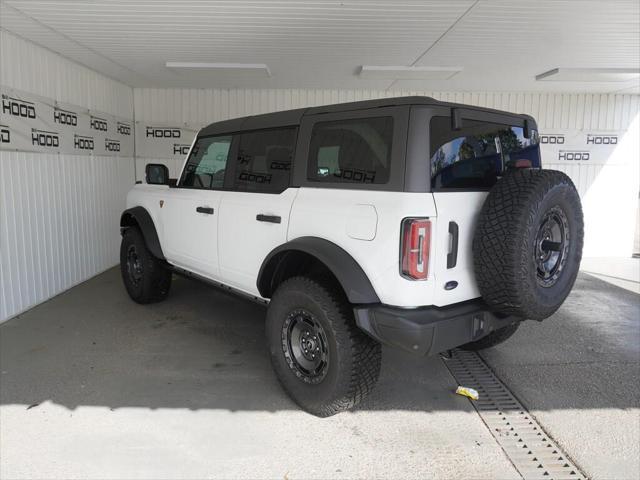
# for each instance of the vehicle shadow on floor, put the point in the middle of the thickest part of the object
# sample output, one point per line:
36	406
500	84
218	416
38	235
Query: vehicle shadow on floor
205	349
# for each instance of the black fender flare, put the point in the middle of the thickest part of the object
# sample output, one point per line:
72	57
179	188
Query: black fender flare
347	271
140	217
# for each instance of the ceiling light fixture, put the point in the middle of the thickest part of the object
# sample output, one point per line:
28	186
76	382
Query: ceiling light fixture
223	67
407	73
589	75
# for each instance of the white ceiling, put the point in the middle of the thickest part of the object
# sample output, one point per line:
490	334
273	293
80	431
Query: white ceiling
501	44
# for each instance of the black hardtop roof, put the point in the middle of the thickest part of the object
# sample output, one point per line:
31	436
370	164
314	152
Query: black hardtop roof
293	117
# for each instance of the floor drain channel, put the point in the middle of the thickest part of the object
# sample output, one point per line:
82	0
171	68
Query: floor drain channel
532	452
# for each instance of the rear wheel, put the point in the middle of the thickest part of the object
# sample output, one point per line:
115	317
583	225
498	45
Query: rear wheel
323	361
146	278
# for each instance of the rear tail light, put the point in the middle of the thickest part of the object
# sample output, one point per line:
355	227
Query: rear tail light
414	248
523	163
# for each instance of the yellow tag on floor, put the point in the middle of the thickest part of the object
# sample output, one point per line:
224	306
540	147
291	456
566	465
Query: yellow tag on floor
467	392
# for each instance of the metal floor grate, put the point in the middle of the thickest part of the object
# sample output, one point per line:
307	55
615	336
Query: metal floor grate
534	454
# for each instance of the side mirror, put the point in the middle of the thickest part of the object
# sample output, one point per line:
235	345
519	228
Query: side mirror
156	174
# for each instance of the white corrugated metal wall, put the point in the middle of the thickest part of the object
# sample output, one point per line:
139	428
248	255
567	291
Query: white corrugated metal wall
58	213
609	187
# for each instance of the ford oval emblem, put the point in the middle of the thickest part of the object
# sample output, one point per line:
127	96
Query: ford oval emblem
450	285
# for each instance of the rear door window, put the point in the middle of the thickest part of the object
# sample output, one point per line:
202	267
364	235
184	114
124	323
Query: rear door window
264	160
474	156
351	151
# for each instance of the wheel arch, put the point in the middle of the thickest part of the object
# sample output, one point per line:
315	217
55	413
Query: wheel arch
140	217
287	259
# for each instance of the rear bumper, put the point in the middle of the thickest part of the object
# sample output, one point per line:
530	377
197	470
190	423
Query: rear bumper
429	330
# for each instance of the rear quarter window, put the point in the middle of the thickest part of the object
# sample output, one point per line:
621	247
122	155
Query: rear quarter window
475	156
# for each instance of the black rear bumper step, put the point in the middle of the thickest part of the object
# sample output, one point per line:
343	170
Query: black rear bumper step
429	330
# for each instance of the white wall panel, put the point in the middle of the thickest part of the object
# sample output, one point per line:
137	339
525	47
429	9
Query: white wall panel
58	213
609	187
31	68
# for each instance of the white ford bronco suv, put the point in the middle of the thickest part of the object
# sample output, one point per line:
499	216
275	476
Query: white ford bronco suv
408	222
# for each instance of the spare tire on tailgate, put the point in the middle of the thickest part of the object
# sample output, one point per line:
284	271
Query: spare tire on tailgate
528	243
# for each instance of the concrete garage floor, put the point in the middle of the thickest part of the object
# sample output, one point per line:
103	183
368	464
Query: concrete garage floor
95	386
578	373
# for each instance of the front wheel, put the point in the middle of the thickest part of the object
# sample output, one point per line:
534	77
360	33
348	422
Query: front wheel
146	278
321	358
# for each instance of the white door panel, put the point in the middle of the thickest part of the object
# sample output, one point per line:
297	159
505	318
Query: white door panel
189	238
244	240
190	213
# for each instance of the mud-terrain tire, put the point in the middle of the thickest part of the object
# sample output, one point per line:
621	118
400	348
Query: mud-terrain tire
310	317
146	278
528	243
494	338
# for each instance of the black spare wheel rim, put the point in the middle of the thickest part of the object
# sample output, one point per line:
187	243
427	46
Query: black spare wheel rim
304	344
551	246
134	265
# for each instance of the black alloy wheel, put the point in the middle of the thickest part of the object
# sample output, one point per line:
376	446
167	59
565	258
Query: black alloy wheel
551	246
134	265
305	347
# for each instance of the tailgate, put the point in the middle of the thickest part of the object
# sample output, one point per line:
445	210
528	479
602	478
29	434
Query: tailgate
456	222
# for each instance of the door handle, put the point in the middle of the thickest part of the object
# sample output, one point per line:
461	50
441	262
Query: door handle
207	210
452	256
268	218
